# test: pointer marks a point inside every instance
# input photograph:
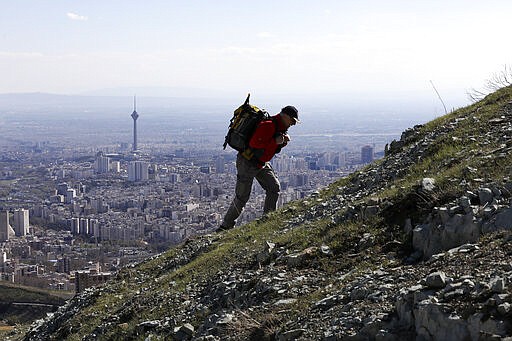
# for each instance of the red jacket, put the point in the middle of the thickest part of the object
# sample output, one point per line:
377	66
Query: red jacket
263	140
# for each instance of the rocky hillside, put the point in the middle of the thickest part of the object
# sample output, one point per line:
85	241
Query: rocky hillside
416	246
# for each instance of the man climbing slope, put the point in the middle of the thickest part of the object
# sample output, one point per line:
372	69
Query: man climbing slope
268	139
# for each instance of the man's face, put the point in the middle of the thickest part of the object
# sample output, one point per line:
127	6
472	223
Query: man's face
289	121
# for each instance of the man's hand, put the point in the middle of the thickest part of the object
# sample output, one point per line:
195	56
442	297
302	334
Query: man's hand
283	139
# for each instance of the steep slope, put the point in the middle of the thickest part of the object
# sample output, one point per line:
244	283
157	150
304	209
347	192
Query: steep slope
415	246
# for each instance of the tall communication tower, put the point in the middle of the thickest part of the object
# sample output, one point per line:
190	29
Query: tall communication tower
135	116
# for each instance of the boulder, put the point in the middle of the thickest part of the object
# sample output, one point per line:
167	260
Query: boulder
265	256
185	332
432	238
432	323
485	196
436	280
498	285
428	184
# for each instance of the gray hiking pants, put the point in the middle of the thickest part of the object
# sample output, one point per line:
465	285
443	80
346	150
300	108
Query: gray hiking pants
246	172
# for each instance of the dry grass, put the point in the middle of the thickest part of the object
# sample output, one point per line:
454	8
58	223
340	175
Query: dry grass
246	327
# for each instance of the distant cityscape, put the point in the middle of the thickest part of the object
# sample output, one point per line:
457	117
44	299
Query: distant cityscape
78	201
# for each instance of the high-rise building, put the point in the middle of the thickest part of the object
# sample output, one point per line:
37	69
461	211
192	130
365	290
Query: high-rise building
174	178
366	154
220	165
75	226
138	171
115	166
62	188
135	116
86	279
70	195
64	265
340	159
84	226
94	227
102	164
21	222
299	180
3	258
6	230
153	172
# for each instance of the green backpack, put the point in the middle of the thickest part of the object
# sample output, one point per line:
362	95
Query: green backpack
242	125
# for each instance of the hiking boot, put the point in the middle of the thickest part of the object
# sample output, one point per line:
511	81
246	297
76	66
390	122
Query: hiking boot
223	228
263	219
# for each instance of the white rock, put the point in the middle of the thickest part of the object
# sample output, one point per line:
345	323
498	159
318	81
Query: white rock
428	184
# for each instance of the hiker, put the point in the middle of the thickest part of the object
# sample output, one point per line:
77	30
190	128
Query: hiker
268	139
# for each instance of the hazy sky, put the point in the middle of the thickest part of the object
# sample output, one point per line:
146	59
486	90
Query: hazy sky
340	48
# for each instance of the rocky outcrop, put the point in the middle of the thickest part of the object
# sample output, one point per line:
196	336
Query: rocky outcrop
464	220
461	308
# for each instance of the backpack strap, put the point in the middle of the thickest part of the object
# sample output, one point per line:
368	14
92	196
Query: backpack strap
252	154
274	119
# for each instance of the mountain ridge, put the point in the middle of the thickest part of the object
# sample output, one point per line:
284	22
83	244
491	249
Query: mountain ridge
415	246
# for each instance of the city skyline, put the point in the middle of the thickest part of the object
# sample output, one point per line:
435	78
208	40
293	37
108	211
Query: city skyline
125	206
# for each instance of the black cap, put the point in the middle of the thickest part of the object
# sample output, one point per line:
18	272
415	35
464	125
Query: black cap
291	111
